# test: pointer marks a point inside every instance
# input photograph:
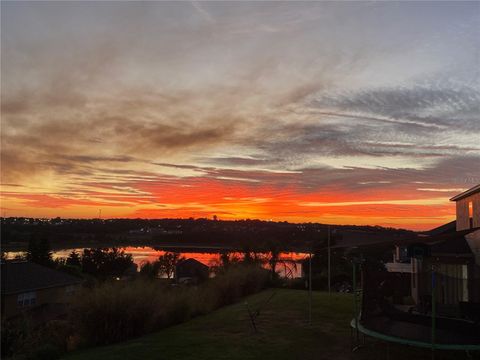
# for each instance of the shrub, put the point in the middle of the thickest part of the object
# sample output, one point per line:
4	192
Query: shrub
45	341
116	311
46	351
13	339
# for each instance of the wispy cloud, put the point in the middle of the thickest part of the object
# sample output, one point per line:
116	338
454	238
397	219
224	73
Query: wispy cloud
202	12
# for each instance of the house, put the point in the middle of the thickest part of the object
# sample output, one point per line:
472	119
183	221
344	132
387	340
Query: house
468	209
452	250
457	273
191	271
440	305
35	289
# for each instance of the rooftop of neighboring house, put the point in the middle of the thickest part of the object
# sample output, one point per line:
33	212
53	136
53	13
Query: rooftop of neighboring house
467	193
444	240
23	276
442	229
192	262
450	243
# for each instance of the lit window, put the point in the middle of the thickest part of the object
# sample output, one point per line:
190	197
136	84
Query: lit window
27	299
470	213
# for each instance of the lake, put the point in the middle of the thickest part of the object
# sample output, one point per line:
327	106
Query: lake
289	265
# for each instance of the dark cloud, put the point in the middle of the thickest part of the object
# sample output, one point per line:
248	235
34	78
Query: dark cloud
434	106
239	161
92	159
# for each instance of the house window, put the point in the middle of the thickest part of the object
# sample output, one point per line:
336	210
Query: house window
27	299
470	213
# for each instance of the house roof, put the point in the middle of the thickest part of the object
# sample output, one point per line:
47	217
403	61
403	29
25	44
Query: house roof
18	277
451	244
191	262
446	242
471	191
365	240
442	229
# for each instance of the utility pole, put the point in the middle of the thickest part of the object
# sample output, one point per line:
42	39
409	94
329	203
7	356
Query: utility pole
310	288
329	262
99	213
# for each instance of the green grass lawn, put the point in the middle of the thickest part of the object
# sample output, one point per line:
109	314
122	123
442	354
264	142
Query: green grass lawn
283	333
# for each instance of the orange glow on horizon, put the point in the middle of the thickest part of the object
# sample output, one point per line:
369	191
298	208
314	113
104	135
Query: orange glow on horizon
232	200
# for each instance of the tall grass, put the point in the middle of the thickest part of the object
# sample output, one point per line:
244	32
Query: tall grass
117	311
236	282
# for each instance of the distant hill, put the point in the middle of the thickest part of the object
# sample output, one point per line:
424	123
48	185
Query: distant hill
238	234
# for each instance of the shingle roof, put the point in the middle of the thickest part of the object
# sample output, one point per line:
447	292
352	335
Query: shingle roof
27	276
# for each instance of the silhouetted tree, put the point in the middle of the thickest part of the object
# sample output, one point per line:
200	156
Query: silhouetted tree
74	259
274	256
167	263
39	251
105	263
150	269
227	259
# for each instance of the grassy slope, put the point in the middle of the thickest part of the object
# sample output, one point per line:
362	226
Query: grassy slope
283	334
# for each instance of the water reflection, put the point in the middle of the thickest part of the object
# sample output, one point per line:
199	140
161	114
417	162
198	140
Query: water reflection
289	264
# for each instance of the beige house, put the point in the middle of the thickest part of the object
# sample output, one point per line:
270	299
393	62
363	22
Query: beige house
430	294
468	209
452	250
37	290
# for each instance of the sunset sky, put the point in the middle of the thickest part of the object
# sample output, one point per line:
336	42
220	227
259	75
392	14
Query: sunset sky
332	112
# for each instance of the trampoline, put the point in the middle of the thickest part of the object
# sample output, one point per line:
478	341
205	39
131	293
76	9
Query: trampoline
446	318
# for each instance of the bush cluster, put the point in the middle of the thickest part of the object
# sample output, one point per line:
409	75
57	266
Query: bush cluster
25	341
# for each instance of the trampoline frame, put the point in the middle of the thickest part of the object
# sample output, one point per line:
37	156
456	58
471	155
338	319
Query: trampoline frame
426	345
359	328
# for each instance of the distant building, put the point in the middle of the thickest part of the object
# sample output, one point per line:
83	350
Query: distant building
35	289
191	271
